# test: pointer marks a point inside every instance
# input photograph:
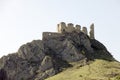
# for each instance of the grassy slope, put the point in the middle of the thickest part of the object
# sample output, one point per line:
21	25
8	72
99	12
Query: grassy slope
97	70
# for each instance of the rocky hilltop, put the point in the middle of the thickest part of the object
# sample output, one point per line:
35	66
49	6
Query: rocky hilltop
40	59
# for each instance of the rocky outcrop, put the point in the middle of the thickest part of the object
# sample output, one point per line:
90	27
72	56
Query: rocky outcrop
46	69
40	59
32	51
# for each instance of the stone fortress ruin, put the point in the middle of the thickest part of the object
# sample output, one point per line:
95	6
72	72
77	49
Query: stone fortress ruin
69	28
62	27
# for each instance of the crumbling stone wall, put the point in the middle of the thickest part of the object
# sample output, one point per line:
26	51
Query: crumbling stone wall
62	27
48	35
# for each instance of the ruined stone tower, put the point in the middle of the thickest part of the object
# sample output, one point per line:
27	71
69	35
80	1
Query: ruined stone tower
62	27
78	28
84	30
92	31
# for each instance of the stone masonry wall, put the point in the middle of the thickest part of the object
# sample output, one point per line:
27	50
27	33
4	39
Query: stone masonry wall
62	27
48	35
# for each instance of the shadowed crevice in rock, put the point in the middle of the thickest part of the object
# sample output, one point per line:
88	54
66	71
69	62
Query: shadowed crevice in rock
3	75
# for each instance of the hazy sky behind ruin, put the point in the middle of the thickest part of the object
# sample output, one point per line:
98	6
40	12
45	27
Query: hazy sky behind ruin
22	21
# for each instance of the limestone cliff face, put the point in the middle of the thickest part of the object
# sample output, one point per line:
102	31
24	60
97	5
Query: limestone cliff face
40	59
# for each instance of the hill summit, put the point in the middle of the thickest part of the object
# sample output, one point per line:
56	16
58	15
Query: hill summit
40	59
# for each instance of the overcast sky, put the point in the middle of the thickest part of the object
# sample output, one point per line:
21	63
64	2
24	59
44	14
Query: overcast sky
22	21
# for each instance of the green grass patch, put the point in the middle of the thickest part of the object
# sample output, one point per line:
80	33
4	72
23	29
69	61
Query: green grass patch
96	70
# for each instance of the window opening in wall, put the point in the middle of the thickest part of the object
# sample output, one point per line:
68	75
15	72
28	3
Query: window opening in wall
49	34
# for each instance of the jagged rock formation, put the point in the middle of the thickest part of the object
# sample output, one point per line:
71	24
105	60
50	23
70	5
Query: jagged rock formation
40	59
